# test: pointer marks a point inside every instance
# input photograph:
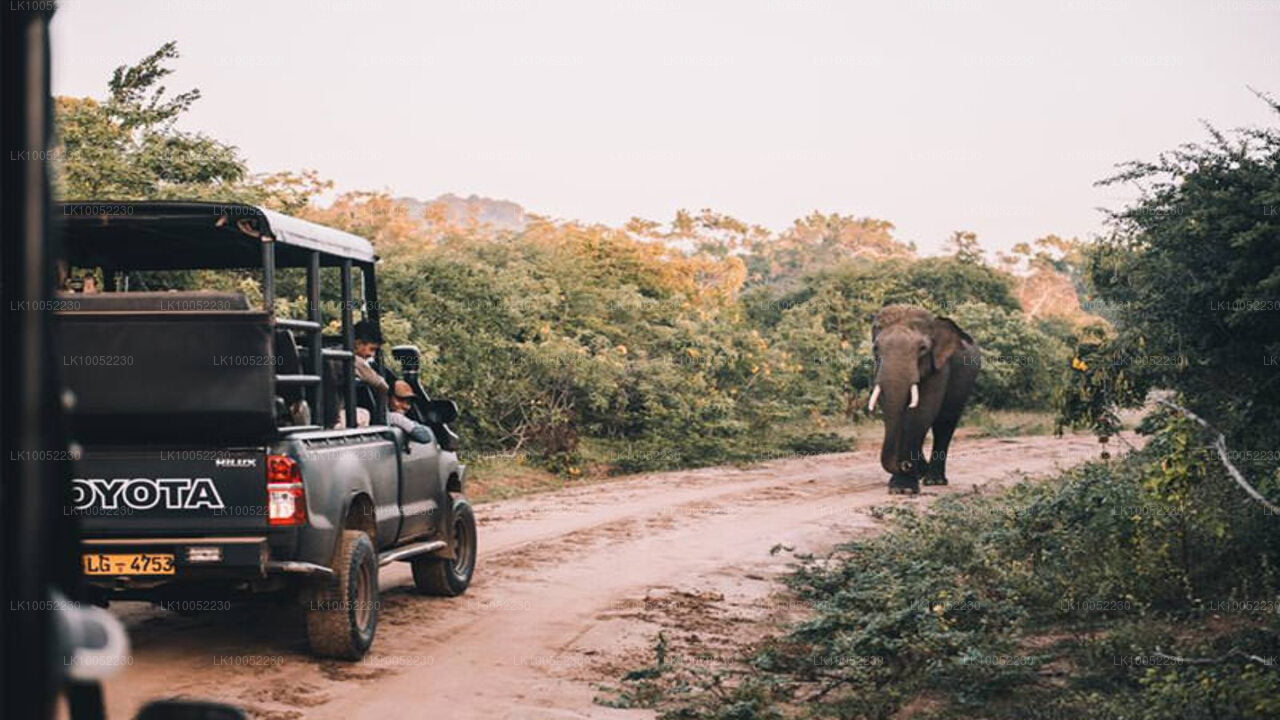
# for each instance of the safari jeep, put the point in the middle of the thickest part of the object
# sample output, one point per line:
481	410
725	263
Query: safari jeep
225	449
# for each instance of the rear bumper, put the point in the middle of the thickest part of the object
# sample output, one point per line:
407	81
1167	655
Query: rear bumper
196	560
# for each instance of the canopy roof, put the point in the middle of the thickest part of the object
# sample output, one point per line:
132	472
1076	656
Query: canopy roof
193	235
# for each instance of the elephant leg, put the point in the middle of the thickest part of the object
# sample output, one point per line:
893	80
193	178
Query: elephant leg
904	484
943	429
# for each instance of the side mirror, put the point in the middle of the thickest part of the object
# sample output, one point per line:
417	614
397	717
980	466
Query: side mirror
441	412
190	710
95	645
409	357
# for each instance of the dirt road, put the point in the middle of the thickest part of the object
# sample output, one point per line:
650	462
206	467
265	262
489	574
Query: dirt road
570	591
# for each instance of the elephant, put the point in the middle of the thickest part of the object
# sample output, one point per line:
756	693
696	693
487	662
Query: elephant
926	367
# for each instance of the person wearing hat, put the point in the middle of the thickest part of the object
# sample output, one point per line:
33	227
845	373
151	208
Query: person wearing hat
400	401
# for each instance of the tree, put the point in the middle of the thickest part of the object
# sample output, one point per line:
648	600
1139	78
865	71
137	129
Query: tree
820	241
1191	272
128	147
290	192
378	217
965	248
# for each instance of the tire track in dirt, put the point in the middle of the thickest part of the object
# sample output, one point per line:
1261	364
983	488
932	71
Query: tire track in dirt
570	586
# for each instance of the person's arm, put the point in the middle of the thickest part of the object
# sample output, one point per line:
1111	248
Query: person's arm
370	377
416	432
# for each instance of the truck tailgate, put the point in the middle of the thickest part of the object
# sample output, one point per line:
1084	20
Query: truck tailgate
121	492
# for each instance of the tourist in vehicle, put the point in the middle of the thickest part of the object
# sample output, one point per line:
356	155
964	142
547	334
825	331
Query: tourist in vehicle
367	342
400	402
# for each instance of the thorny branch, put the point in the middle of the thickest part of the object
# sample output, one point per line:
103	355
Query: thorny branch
1220	444
1233	652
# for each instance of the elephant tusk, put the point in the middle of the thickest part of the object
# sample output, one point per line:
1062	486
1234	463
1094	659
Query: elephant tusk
915	395
875	395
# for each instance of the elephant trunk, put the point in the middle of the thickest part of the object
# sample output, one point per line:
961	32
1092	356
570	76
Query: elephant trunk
898	399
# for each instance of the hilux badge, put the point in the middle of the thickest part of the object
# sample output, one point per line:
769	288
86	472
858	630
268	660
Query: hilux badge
235	462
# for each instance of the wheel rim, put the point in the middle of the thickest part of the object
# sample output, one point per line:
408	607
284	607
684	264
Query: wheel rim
461	548
363	600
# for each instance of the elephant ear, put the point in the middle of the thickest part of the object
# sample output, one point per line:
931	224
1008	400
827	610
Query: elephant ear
947	338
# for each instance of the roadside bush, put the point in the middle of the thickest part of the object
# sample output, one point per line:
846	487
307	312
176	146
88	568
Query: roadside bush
1190	272
1021	365
1059	595
569	332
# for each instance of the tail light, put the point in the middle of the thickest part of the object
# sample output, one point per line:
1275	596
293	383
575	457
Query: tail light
286	500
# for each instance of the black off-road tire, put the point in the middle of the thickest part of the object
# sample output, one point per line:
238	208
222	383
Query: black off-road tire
342	612
449	577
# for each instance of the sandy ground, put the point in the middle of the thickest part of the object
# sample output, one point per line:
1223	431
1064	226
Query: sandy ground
570	591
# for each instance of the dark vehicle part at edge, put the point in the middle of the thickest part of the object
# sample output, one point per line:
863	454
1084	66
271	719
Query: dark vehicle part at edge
50	644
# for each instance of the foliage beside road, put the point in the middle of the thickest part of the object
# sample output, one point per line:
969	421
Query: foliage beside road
1062	599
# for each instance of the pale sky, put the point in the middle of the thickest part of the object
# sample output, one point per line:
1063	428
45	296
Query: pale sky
935	115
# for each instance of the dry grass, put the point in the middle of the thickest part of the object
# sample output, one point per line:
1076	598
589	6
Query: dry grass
506	476
501	476
981	422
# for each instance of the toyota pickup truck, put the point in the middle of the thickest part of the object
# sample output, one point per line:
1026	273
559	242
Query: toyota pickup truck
224	445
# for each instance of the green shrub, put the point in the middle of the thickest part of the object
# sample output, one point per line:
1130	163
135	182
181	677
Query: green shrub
1021	365
1081	579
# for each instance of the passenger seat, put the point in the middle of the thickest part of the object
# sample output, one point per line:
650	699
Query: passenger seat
289	362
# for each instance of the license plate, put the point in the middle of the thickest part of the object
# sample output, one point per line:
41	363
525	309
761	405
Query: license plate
128	564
